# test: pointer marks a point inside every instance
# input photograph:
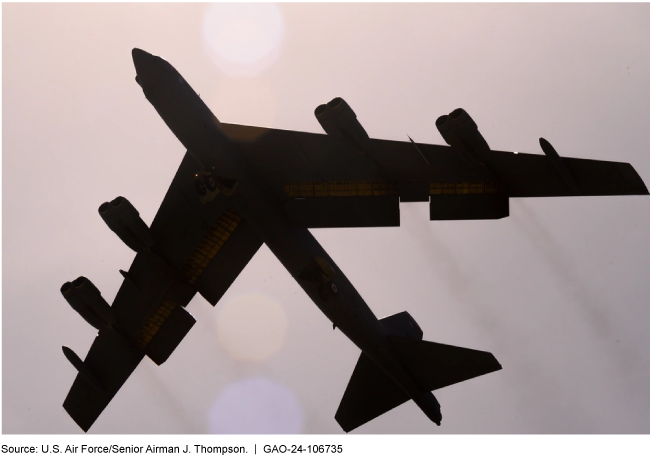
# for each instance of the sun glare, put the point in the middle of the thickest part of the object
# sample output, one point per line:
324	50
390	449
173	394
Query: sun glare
241	38
256	405
251	327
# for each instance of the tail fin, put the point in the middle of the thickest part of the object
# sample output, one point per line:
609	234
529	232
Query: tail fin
371	392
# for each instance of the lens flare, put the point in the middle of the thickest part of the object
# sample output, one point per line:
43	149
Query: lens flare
256	405
251	327
243	39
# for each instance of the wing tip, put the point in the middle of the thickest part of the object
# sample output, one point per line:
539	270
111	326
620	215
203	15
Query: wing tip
630	175
347	428
83	424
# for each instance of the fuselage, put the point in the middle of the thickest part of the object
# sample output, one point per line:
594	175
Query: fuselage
317	274
186	115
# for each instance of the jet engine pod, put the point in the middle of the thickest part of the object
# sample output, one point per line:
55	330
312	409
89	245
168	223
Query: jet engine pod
85	298
339	121
123	219
459	131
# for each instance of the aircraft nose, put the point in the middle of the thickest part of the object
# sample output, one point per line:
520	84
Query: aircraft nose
145	67
139	56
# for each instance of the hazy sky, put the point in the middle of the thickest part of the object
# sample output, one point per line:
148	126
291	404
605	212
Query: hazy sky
559	291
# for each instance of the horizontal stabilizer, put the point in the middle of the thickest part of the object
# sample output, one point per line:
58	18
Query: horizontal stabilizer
370	393
435	365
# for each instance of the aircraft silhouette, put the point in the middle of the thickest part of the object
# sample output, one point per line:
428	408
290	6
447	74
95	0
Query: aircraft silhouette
240	186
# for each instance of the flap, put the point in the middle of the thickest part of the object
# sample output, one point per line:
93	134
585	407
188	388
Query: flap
172	331
343	212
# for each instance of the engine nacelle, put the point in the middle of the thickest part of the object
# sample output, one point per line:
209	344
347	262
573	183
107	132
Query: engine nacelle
339	121
85	298
123	219
459	131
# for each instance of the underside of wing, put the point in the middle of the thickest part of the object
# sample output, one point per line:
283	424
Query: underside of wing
530	175
109	363
325	183
193	245
198	246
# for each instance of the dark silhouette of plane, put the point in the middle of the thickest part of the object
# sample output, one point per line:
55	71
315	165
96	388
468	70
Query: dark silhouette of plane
239	186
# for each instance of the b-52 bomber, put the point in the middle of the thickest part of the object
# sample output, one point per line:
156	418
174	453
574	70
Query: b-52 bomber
240	186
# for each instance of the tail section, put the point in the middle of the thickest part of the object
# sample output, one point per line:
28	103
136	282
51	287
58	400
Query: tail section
371	392
435	365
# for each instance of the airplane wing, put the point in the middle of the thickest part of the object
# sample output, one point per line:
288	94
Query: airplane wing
326	182
196	248
111	359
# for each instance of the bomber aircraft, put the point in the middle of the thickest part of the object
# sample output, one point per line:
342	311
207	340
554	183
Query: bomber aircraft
240	186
